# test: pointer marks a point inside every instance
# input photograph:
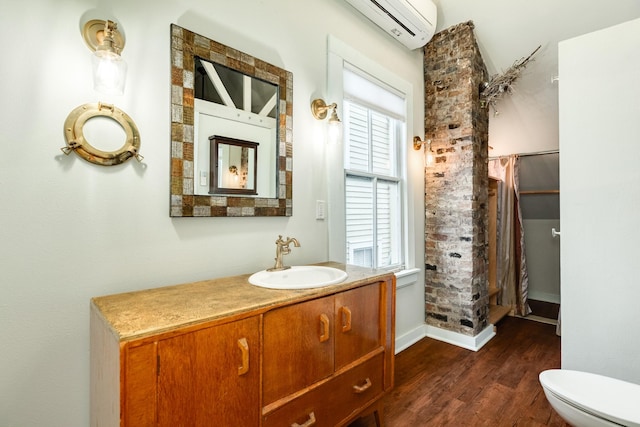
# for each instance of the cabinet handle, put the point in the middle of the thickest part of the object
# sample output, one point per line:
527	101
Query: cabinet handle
324	322
362	388
311	421
346	319
244	351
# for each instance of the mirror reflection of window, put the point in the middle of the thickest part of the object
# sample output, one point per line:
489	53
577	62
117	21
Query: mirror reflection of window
234	105
223	85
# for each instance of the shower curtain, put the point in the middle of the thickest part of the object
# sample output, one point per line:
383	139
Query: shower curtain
511	268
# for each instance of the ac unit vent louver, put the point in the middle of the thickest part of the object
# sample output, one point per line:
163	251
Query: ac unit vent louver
411	22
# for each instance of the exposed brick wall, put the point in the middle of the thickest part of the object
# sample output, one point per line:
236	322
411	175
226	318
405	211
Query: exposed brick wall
456	185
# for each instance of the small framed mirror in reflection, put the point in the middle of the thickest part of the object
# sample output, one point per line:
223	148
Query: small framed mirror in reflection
234	165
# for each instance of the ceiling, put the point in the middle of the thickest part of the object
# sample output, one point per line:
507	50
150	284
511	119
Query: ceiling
508	30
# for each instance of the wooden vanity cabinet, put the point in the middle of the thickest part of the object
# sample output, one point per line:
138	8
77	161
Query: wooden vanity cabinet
358	324
324	360
297	347
206	377
225	353
210	376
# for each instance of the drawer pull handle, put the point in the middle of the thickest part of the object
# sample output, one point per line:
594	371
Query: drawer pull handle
311	421
362	388
244	351
346	319
324	323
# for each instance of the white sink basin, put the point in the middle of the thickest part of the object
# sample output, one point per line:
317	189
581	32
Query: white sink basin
298	277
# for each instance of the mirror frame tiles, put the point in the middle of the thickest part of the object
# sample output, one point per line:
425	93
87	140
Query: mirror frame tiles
185	46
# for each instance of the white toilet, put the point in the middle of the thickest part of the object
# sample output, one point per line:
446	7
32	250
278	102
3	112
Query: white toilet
588	400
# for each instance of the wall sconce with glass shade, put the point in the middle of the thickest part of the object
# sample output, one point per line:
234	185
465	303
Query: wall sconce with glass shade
109	75
320	109
418	143
106	42
233	172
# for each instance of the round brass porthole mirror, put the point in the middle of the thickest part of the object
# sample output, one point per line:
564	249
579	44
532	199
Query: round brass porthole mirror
76	141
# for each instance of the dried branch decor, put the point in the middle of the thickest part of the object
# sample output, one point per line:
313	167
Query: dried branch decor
499	84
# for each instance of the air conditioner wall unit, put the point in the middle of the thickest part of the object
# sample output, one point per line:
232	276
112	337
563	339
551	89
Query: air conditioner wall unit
411	22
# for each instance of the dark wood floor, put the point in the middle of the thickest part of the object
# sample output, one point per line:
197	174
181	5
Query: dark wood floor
438	384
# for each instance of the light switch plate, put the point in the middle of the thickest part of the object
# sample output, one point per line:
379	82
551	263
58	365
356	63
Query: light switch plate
320	209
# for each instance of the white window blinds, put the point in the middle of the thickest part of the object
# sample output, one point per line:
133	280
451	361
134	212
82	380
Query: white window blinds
372	173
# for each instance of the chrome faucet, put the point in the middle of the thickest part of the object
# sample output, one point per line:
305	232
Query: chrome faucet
282	248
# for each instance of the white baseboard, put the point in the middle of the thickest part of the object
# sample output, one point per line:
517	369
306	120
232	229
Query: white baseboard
465	341
406	340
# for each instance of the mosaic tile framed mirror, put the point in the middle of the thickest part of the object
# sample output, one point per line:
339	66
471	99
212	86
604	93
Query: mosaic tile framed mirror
219	91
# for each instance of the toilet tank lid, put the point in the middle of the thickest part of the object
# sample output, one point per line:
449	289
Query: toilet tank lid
609	398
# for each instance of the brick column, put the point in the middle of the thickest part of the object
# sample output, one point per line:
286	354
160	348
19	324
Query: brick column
456	185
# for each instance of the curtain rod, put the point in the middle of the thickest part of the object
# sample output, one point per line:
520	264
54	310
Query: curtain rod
534	153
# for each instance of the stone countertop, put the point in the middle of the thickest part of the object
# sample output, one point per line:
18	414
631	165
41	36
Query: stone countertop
134	315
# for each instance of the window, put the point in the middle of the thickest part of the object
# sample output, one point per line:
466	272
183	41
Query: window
368	170
374	129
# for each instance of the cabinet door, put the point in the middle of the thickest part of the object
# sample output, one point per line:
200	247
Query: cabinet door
211	377
298	347
358	328
140	386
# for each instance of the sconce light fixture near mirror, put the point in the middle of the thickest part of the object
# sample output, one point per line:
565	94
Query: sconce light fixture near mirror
227	106
109	73
418	143
106	42
319	109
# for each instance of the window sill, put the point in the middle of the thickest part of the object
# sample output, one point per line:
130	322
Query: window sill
406	277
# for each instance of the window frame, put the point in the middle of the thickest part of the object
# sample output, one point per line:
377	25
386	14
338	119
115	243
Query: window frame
398	131
340	54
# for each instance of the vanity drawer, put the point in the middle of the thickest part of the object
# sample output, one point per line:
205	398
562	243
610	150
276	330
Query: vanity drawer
333	401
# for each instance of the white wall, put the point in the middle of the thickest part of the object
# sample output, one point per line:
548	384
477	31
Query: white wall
600	200
528	118
543	259
509	30
70	230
